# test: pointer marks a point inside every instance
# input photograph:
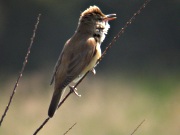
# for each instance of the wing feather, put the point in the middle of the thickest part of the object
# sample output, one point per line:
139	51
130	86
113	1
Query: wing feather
73	60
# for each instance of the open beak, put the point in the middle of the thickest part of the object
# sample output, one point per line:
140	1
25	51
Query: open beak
109	17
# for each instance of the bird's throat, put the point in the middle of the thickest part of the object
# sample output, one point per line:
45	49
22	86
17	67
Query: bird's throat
101	31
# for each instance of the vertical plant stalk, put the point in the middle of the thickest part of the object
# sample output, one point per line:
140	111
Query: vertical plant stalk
103	54
22	70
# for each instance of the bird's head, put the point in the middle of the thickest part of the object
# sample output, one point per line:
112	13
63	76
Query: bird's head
93	18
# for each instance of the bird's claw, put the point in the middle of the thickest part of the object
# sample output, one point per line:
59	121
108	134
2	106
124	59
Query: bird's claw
93	71
72	89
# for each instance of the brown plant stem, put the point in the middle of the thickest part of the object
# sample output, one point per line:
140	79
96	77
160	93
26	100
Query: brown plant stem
42	125
22	70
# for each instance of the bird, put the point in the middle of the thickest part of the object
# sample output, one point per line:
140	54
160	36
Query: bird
80	53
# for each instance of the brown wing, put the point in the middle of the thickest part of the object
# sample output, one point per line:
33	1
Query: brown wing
82	59
57	64
74	59
55	68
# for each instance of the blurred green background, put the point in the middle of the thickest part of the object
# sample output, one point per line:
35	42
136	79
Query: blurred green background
137	79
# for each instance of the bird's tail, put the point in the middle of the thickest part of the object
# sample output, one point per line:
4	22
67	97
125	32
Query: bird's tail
54	102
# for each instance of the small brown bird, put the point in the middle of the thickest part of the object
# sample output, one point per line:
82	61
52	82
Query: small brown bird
80	52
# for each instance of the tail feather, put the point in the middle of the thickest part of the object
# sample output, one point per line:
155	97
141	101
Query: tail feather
54	103
58	93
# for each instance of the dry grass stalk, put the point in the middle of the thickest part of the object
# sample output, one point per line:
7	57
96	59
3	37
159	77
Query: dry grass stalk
137	127
69	128
22	70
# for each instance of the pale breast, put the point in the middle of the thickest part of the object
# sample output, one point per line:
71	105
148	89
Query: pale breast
94	59
91	64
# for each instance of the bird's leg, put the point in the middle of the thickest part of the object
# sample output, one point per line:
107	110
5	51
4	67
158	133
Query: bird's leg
93	71
72	89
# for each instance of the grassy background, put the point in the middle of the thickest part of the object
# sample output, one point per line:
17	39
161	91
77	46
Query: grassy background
110	105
